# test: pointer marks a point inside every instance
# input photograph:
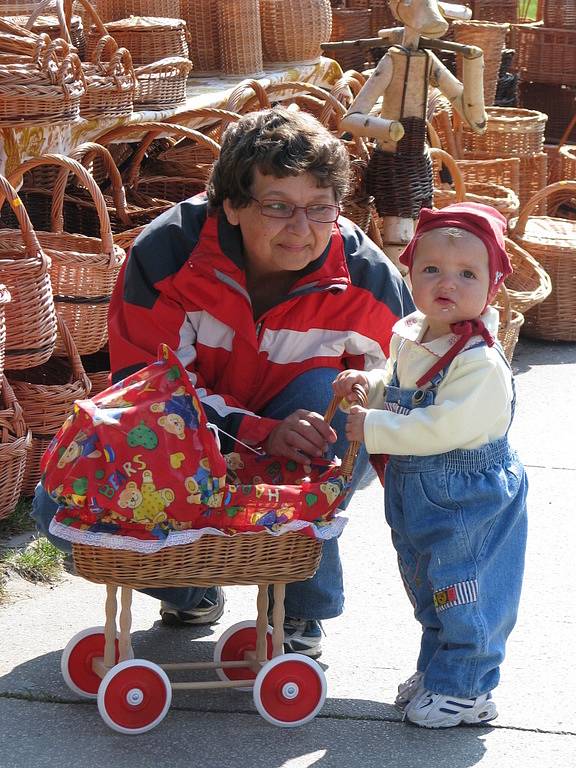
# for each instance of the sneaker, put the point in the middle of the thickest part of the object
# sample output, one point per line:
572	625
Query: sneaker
208	610
303	636
408	690
434	710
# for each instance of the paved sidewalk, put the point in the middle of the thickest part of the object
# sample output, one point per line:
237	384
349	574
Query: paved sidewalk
368	650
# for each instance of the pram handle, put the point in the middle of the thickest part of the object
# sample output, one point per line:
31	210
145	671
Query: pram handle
353	447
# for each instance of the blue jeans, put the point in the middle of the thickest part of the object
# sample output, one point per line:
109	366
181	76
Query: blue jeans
322	596
458	523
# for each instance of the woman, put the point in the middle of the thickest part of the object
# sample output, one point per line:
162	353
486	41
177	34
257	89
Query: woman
265	295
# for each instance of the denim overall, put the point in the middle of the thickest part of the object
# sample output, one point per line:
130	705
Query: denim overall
458	522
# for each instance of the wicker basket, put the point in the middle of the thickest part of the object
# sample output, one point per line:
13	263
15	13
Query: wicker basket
46	92
148	38
292	31
500	170
24	270
490	36
97	368
502	198
84	269
558	102
46	394
510	322
381	17
529	284
545	55
15	442
255	558
112	10
510	132
55	25
162	84
560	14
201	17
110	82
350	24
240	38
242	97
504	11
552	242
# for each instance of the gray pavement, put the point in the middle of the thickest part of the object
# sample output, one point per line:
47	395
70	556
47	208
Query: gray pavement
368	650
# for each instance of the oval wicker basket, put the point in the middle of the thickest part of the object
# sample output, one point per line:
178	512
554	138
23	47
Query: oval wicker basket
510	132
24	270
84	269
552	242
148	38
46	394
15	442
161	85
110	82
293	31
257	558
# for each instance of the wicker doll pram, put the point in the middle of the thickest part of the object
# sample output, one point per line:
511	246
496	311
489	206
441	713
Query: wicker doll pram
134	695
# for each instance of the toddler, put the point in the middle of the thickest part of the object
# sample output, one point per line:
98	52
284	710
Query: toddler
455	492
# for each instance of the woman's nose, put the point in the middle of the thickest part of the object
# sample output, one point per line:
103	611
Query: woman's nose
299	220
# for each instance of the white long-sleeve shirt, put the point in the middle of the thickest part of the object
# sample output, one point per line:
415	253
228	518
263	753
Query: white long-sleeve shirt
473	401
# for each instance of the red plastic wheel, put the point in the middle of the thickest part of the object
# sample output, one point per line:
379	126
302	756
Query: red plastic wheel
76	661
134	696
290	690
233	645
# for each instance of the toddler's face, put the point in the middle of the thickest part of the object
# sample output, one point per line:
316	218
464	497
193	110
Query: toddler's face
450	277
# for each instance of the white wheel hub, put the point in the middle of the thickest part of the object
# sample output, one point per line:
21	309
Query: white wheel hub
290	690
134	697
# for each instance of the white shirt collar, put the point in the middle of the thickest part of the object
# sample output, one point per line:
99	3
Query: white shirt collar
414	326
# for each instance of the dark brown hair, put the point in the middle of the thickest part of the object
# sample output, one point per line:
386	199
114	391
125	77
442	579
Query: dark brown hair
279	143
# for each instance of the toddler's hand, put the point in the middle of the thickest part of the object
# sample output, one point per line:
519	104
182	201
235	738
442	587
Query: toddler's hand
355	424
343	385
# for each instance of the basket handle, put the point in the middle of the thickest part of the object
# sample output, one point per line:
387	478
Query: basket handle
238	95
85	153
225	116
11	415
60	15
331	104
353	447
72	352
73	166
506	306
165	65
560	186
92	13
32	247
152	130
455	172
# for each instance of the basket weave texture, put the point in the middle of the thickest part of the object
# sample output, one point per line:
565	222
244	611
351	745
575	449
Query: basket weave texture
257	558
381	16
46	394
292	32
529	284
84	269
201	17
490	36
545	55
148	38
510	132
112	10
15	440
560	14
350	24
110	82
240	38
552	242
494	10
511	321
4	299
162	84
24	270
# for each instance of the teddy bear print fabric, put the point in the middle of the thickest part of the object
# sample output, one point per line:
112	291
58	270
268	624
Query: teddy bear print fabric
138	462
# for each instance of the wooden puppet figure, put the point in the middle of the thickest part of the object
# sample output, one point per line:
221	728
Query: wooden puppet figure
399	174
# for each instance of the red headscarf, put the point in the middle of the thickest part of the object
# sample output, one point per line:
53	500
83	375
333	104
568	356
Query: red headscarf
490	226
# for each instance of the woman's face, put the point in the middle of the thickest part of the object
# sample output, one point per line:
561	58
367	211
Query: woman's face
282	245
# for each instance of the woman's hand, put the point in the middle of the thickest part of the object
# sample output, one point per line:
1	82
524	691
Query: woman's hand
343	384
302	436
355	424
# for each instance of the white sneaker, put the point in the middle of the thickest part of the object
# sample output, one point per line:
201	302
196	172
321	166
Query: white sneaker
434	710
408	690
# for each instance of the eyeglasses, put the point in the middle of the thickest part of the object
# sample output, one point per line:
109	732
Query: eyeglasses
278	209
